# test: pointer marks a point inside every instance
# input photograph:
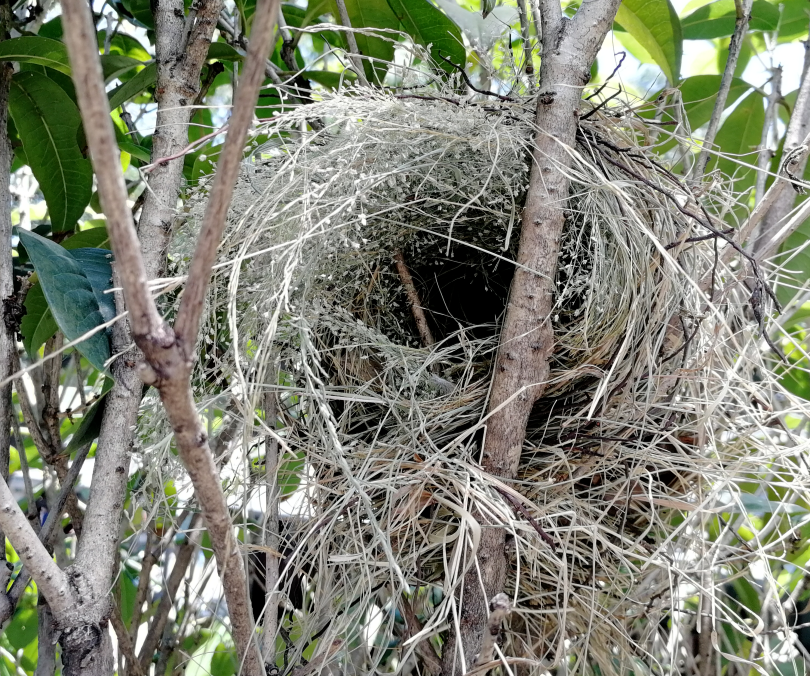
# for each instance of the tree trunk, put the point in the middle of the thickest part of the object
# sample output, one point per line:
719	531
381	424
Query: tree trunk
527	338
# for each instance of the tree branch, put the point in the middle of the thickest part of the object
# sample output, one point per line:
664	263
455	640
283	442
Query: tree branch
50	579
527	339
741	26
169	355
767	243
354	51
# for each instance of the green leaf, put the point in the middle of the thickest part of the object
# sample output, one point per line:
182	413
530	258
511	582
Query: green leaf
90	426
125	45
48	123
793	22
131	88
141	10
738	140
114	65
95	264
70	295
699	94
487	6
222	51
427	25
373	14
223	662
657	29
38	323
135	150
719	19
33	49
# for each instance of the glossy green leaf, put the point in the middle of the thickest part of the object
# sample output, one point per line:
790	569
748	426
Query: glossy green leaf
34	49
96	238
222	51
719	19
427	25
738	140
223	661
657	29
113	65
90	426
48	123
141	11
134	86
38	323
125	45
70	295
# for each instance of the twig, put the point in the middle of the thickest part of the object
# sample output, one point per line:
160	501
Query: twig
319	661
354	51
125	643
525	512
181	562
743	8
270	535
413	299
765	153
142	592
169	354
609	77
602	104
469	83
525	35
424	648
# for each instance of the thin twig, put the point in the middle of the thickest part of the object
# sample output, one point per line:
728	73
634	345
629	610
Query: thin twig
354	51
413	300
743	8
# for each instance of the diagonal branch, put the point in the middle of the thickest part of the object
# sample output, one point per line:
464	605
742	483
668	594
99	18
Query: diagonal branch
169	355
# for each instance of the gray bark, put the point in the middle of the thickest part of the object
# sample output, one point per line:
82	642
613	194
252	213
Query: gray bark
527	340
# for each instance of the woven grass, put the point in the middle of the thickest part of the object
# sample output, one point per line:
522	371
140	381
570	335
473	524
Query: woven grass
653	415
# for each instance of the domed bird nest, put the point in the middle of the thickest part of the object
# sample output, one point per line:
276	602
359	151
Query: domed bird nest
401	215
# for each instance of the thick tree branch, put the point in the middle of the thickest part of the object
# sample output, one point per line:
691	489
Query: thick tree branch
527	339
741	26
169	355
50	579
770	235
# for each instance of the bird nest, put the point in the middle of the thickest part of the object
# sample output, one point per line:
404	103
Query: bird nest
649	417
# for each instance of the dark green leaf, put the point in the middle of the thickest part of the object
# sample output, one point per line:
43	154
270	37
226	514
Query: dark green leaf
38	323
95	264
48	123
96	237
64	81
719	19
222	51
135	150
738	140
34	49
131	88
141	10
427	25
656	28
69	294
114	65
90	426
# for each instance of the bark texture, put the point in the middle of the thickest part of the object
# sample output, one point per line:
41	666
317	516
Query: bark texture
527	339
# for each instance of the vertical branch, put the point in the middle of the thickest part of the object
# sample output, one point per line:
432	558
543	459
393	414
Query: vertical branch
169	354
412	294
10	308
741	26
527	340
765	153
46	640
270	538
525	35
794	161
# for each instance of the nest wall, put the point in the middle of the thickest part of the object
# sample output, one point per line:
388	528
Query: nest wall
649	418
